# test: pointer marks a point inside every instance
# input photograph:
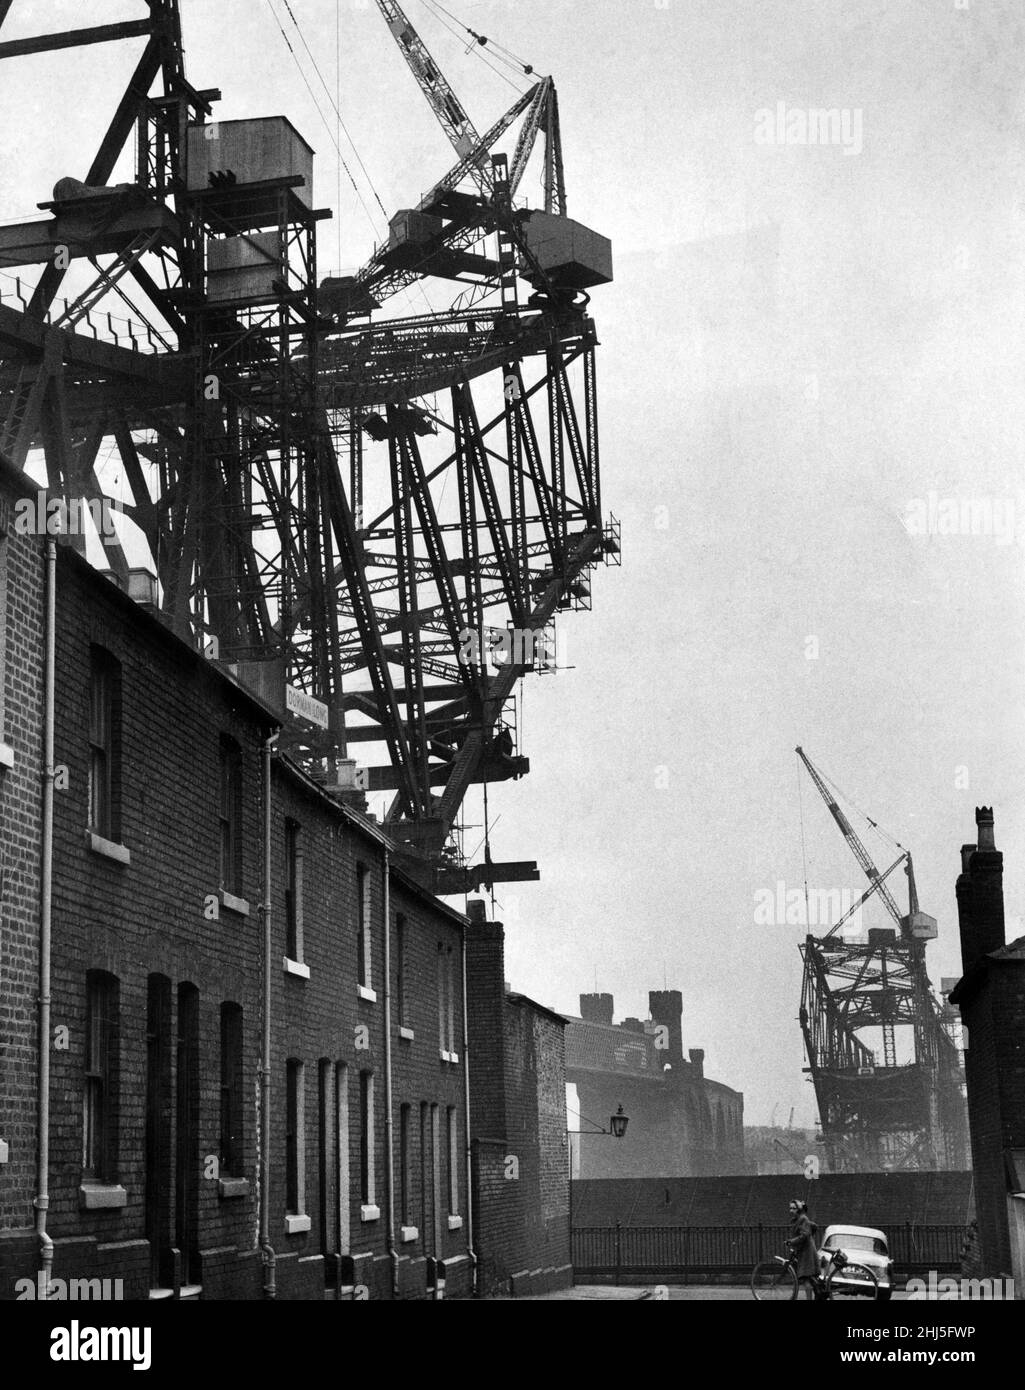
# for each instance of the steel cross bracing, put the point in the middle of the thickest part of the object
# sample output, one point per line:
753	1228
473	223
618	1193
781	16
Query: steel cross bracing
317	498
878	1111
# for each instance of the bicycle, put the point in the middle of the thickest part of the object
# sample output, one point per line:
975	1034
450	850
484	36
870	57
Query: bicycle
776	1280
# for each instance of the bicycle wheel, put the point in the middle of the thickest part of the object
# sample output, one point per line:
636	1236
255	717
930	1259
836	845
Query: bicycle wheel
772	1281
852	1281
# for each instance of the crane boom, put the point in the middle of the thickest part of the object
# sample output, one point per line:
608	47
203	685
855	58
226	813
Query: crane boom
435	87
859	851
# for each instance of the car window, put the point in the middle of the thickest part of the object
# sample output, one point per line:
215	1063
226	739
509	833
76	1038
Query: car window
855	1242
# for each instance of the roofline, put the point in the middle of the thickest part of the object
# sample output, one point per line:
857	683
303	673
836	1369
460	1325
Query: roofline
147	620
371	831
520	999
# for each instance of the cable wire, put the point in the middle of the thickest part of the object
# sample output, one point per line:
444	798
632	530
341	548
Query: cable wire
320	113
498	73
334	104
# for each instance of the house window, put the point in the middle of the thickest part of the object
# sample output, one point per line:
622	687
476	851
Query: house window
404	1173
452	1146
230	816
366	1139
363	964
442	1000
446	1002
295	1148
293	892
100	1099
451	1017
400	969
104	744
232	1159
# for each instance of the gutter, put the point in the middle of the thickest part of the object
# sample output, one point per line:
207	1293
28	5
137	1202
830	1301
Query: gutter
42	1198
269	1257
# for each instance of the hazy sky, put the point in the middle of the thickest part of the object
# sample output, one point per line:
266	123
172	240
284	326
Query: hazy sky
800	345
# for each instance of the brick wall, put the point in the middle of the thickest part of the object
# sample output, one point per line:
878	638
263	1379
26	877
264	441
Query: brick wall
22	579
518	1117
337	1033
162	914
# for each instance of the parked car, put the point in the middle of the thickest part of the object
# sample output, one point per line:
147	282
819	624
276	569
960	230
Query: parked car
863	1245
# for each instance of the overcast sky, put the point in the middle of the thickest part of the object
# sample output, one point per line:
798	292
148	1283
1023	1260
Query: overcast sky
810	355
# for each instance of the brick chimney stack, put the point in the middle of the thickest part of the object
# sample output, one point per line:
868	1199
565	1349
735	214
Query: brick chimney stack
980	894
596	1008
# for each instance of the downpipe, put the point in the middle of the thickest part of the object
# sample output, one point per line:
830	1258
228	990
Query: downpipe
389	1132
42	1198
471	1253
269	1257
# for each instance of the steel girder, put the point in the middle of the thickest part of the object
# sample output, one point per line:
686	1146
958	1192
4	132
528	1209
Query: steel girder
253	497
874	1115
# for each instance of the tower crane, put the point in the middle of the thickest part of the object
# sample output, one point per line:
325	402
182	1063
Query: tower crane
442	99
893	1115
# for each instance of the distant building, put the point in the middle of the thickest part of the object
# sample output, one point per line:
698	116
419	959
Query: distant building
991	997
682	1123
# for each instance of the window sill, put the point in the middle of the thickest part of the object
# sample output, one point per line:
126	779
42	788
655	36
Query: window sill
366	993
297	1225
101	1196
455	1223
452	1057
406	1034
233	904
233	1187
408	1233
369	1213
296	967
108	848
6	755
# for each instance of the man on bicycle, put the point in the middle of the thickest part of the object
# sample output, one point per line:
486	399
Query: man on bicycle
802	1247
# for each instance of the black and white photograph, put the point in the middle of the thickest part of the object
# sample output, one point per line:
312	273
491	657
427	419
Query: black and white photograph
512	672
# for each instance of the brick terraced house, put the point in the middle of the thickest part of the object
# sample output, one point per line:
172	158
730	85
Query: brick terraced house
168	1157
157	1124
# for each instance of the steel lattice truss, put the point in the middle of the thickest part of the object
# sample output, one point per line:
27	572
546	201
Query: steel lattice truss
332	503
876	1113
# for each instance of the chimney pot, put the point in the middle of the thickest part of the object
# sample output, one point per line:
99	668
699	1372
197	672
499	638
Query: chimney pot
966	854
984	820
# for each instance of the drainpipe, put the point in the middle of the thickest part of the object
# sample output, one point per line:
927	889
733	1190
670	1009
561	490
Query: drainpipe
466	1109
269	1258
389	1136
42	1199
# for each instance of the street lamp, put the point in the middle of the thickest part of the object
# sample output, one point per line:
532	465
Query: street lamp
617	1125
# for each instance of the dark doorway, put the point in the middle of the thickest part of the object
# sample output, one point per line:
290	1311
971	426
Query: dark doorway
186	1167
158	1128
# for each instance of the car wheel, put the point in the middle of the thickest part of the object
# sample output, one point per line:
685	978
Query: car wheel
883	1295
